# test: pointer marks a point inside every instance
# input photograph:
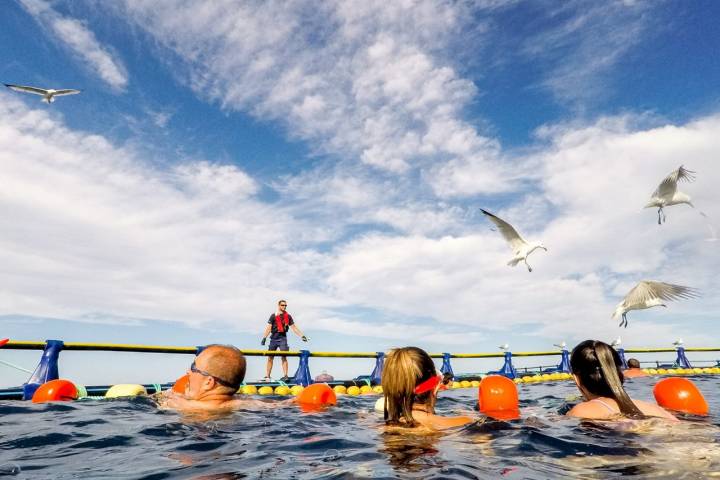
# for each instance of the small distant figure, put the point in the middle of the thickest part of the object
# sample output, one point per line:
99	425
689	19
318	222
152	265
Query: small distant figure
634	369
48	95
597	370
324	377
278	325
411	383
520	248
667	193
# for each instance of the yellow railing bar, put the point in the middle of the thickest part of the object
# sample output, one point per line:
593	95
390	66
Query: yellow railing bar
122	347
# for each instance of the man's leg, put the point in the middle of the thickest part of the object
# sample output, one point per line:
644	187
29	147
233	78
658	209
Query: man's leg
268	368
273	346
284	347
285	366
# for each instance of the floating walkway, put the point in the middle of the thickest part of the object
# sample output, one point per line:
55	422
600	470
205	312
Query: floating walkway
48	367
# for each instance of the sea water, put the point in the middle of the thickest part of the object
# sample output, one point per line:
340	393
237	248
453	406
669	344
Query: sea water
131	438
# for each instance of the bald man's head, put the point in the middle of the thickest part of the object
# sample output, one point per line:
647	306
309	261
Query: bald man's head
224	362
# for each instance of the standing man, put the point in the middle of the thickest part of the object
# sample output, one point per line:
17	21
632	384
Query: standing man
278	324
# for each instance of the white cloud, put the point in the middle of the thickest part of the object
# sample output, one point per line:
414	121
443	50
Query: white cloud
91	230
595	181
367	82
587	40
81	41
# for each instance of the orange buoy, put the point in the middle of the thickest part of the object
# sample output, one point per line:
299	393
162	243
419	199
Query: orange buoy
180	384
55	391
498	398
680	394
315	396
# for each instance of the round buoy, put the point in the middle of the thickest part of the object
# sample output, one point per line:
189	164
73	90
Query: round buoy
365	389
266	390
317	394
125	390
282	390
378	389
249	389
498	397
680	394
55	391
180	384
380	405
340	389
296	389
353	390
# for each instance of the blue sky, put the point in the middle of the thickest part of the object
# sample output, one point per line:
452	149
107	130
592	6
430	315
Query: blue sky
223	155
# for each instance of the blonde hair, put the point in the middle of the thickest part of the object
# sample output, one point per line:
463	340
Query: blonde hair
405	368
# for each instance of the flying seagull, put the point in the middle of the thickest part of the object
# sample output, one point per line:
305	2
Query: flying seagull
678	343
561	345
647	294
519	246
667	193
48	95
616	343
504	347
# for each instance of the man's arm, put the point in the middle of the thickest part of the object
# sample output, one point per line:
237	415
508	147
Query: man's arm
268	328
297	331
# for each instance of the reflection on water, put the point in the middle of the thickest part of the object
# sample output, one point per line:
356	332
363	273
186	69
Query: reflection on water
133	439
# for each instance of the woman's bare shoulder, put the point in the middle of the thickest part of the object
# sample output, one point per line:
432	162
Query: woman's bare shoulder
652	410
588	410
440	422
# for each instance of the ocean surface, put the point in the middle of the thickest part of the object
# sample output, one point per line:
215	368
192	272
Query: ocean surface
131	438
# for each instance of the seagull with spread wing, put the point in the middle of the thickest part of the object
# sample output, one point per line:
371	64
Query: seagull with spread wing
48	95
519	246
668	194
647	294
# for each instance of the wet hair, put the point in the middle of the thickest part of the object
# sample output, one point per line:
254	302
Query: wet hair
405	368
225	362
598	368
633	363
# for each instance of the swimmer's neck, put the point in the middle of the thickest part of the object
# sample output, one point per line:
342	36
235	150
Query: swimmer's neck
215	397
424	408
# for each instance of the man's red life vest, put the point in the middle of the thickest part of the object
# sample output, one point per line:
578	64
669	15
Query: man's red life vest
282	322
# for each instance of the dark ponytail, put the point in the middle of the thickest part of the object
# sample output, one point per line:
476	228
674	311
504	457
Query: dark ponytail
598	368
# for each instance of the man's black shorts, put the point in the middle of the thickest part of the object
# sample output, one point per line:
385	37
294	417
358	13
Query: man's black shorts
279	343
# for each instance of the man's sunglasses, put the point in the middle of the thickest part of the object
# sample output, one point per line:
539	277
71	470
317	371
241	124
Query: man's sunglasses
194	369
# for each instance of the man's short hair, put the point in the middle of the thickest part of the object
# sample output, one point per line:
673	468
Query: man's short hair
281	301
226	362
633	363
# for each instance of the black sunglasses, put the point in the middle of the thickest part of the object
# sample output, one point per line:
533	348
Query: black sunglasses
194	369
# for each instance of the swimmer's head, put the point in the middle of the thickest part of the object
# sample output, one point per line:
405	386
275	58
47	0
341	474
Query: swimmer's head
597	370
404	371
633	363
218	369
